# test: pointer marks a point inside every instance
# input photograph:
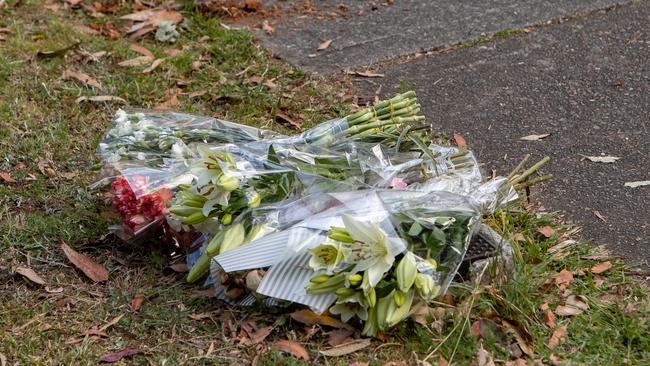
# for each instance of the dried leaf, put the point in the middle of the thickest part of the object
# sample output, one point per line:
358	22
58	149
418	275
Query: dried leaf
7	177
519	336
100	98
483	357
460	141
293	348
324	45
67	74
196	65
639	183
287	121
140	16
563	278
600	216
347	348
112	322
94	271
141	50
535	137
519	237
200	316
602	267
57	290
31	275
138	61
136	302
270	84
308	317
366	74
153	66
602	159
549	318
559	246
179	267
258	336
339	336
56	53
172	102
577	301
114	357
266	27
547	231
557	336
563	310
96	332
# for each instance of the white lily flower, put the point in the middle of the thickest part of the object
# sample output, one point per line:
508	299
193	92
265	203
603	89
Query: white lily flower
349	307
328	256
378	252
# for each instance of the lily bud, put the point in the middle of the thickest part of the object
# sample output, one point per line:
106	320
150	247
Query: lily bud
226	219
355	279
233	238
228	183
425	286
399	298
406	271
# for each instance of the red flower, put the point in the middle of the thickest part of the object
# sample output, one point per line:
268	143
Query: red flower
138	212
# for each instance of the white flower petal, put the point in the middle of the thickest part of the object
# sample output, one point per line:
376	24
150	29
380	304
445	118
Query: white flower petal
364	232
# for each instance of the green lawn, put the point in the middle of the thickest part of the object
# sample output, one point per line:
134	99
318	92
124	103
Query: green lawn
47	145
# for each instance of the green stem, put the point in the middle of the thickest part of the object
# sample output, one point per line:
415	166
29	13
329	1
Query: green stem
530	170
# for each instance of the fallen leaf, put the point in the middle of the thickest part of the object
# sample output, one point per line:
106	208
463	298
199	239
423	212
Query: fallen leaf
94	271
287	121
324	45
561	245
258	336
600	216
577	302
112	322
359	363
601	159
519	336
67	74
153	66
56	53
563	310
266	27
179	267
141	50
196	65
57	290
100	98
31	275
293	348
557	336
547	231
114	357
140	16
366	74
422	314
7	177
483	357
96	332
270	84
138	61
346	348
602	267
200	316
339	336
563	278
519	237
172	102
5	30
308	317
136	302
3	358
549	318
535	137
460	141
639	183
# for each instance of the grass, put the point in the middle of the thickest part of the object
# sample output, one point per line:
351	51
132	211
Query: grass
47	144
